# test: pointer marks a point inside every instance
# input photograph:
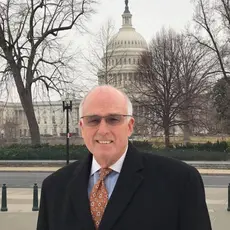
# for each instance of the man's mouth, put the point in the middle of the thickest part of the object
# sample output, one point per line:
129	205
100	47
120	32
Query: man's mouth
104	142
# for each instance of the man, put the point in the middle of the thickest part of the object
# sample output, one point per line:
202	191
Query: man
116	187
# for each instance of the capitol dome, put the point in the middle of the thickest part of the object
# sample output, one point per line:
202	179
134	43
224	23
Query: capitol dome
127	37
122	56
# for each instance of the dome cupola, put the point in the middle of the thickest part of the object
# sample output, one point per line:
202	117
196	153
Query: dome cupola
127	37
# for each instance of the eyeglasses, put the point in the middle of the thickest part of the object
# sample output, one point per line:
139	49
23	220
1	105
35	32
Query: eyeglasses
112	119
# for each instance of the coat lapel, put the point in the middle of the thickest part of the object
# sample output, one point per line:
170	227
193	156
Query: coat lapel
127	184
78	194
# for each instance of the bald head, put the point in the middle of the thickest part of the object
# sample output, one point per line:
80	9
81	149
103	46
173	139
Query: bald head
106	123
105	94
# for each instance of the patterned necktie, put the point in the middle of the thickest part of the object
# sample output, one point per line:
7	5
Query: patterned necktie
99	197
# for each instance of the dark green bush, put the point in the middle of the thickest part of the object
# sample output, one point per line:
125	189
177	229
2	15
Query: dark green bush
208	151
197	152
144	145
208	146
43	152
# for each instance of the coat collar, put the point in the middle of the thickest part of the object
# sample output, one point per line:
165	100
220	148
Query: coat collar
127	184
78	192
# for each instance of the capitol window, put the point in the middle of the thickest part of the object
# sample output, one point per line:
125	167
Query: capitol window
119	78
115	79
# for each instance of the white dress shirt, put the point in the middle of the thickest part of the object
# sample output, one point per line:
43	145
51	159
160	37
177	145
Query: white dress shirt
111	179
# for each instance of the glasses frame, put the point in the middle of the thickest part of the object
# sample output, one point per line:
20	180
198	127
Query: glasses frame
104	117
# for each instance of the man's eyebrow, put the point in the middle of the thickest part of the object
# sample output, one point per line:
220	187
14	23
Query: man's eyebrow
103	115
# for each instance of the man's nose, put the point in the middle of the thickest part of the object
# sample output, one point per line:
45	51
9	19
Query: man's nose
103	127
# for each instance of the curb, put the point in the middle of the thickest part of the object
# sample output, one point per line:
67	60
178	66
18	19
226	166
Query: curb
29	169
214	172
26	171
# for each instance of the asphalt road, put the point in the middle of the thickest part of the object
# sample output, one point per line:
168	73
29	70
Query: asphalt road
27	179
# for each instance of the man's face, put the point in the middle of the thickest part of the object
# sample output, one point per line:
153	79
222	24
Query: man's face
105	141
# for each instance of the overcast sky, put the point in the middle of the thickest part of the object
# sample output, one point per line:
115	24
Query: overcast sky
149	16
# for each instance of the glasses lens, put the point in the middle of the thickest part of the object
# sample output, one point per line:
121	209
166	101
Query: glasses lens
92	120
114	119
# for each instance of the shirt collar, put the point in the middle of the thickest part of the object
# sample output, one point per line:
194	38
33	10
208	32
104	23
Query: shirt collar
115	167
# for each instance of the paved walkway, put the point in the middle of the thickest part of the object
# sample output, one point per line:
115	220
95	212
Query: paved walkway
21	217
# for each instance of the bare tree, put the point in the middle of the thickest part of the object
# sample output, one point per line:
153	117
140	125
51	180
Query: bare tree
212	20
208	122
195	70
105	55
221	101
30	46
170	79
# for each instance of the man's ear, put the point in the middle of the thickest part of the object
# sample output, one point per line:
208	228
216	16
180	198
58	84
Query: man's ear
80	127
81	123
131	125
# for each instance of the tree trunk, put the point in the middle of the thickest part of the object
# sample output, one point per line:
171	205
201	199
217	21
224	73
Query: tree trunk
186	127
25	96
187	134
27	104
167	137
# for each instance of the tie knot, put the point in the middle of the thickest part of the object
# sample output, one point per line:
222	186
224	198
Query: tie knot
104	172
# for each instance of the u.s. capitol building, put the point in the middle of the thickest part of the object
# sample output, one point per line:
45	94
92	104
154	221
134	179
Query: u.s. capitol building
122	58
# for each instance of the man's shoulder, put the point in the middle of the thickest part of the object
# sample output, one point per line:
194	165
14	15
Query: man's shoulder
167	164
62	175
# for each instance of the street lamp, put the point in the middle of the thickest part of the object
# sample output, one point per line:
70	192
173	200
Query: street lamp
67	105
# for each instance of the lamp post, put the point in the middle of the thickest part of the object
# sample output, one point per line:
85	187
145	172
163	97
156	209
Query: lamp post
67	105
